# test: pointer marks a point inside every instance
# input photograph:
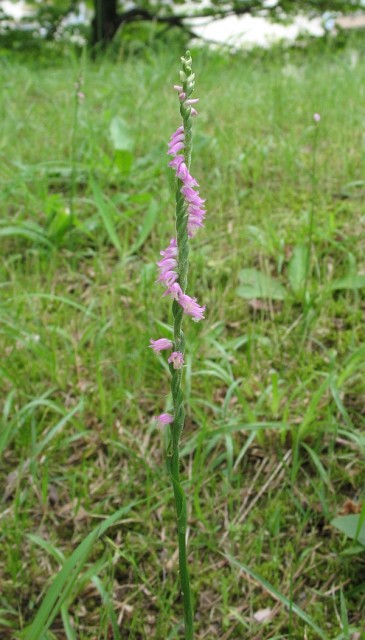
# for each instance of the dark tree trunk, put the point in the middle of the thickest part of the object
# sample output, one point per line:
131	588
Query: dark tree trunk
105	22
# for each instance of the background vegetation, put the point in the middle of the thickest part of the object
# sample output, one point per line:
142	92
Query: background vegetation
274	442
103	20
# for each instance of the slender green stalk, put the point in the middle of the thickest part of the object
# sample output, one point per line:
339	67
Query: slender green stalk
312	211
177	394
78	96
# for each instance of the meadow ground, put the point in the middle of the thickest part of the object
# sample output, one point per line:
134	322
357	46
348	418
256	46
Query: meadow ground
275	435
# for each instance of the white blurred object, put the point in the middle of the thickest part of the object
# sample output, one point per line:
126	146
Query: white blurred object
246	31
262	615
15	10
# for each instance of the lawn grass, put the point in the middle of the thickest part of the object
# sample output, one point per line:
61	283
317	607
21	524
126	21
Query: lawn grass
274	440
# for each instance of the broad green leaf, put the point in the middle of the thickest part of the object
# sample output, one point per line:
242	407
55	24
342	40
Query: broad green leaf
255	284
279	596
297	269
351	282
120	135
352	526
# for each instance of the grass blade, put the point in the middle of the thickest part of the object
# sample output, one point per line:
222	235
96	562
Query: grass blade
24	232
66	578
291	606
146	227
104	209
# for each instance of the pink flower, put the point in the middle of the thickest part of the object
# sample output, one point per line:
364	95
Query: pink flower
176	162
161	344
163	419
182	172
171	251
191	307
166	267
196	217
316	117
176	142
178	131
196	214
175	147
177	137
176	359
192	196
174	291
168	278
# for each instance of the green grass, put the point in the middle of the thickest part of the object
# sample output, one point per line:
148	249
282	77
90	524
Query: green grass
274	440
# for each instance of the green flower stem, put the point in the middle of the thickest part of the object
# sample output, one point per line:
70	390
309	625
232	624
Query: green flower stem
306	301
176	374
73	153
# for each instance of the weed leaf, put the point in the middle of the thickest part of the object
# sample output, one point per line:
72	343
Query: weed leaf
351	282
349	525
255	284
297	269
120	135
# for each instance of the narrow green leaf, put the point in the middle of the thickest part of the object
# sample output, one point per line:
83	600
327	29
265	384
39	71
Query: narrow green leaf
48	547
318	464
106	211
354	363
311	414
108	603
63	583
56	429
148	222
279	596
24	232
344	616
54	298
69	630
